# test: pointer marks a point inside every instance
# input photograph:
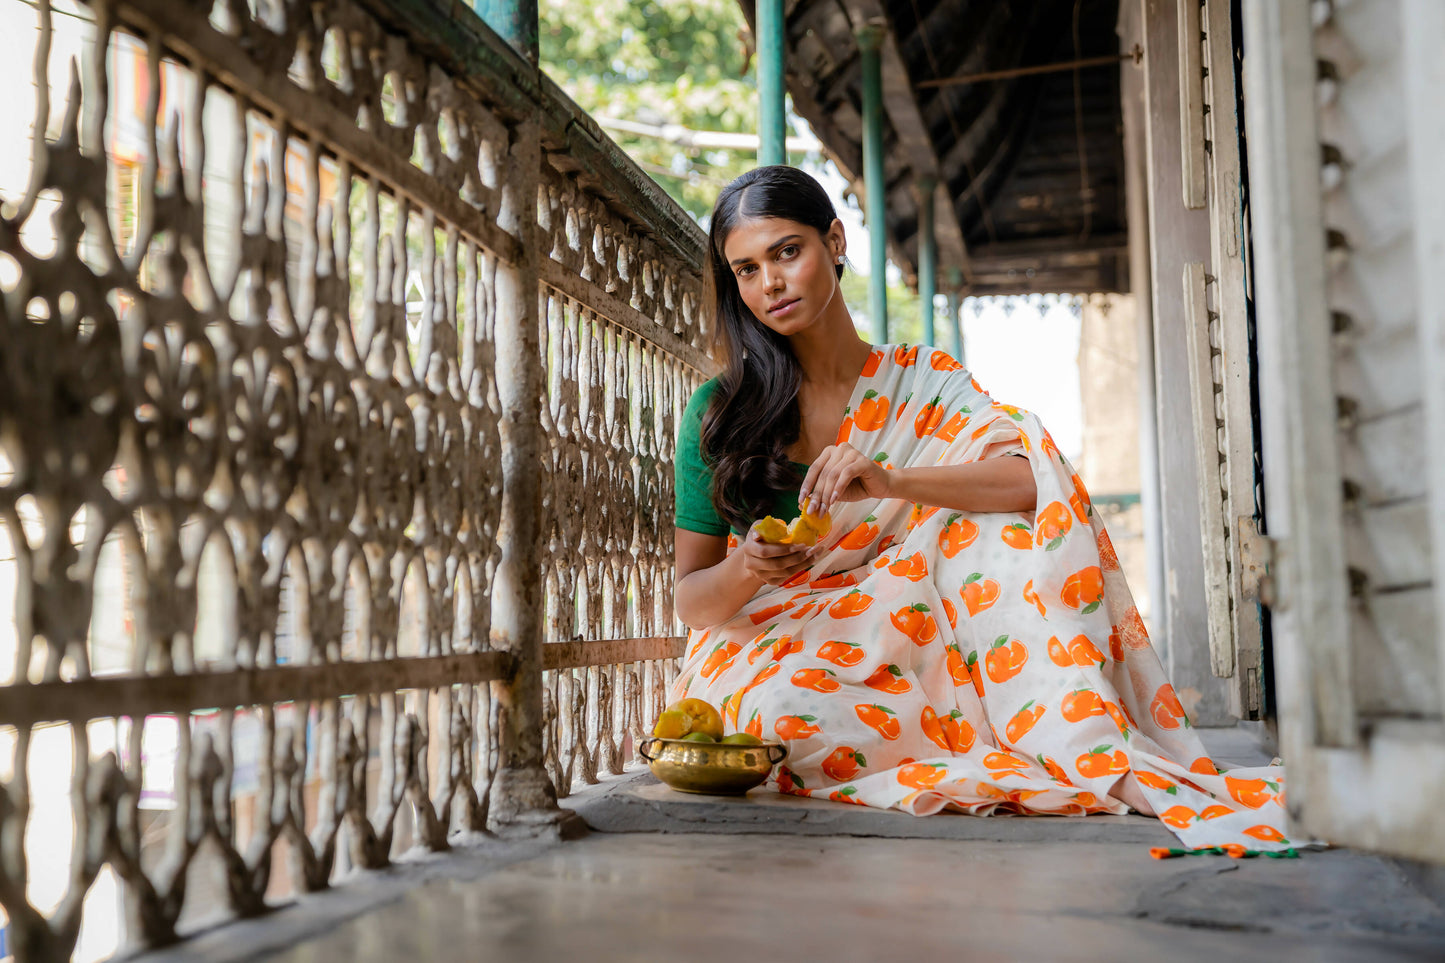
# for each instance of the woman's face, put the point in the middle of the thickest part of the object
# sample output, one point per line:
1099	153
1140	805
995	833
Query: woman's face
785	270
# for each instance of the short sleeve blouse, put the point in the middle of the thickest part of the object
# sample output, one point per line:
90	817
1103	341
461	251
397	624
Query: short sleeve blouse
693	476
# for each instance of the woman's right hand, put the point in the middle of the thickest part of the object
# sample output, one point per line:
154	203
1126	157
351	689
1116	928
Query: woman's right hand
774	564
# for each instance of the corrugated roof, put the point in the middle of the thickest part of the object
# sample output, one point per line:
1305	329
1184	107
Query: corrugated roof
1033	165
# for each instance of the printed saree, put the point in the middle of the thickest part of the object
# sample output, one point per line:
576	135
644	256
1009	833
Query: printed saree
935	659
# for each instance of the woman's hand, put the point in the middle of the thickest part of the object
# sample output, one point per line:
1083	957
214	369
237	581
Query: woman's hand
774	564
842	473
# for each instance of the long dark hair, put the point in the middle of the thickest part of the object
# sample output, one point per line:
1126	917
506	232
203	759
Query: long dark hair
753	416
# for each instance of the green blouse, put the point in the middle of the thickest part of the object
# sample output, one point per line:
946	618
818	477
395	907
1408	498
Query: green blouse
693	476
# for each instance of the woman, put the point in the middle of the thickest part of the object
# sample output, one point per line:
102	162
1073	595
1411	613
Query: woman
963	638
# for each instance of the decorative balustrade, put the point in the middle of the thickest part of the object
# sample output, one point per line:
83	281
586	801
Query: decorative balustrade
341	363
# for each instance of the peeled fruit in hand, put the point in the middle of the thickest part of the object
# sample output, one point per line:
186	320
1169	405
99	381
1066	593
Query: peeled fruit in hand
741	739
806	529
687	716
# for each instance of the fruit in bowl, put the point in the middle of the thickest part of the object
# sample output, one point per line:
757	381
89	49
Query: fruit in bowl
689	752
687	717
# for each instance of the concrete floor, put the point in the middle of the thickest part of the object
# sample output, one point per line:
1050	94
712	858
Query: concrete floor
777	878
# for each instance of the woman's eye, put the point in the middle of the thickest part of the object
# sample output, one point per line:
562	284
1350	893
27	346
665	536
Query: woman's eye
744	271
790	251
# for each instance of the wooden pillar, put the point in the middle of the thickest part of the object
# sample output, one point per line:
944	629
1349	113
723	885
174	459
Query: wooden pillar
1177	236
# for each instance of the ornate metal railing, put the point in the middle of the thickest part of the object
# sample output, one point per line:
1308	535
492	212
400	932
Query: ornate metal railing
340	367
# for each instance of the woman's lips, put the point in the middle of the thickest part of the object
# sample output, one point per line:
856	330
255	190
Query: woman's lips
783	307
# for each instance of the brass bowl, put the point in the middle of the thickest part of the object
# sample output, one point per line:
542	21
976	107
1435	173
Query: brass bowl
713	768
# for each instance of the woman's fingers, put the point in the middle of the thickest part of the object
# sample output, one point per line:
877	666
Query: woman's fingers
809	495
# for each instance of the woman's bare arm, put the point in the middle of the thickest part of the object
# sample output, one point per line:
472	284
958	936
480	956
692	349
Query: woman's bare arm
842	473
992	485
710	586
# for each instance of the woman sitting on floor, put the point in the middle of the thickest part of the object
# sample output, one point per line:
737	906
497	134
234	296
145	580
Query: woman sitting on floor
963	638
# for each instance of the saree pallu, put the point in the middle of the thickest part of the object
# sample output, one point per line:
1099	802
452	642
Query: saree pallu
937	659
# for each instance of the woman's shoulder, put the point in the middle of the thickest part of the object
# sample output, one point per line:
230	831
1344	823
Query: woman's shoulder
701	396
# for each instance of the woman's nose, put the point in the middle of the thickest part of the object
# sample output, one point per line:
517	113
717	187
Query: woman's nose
772	279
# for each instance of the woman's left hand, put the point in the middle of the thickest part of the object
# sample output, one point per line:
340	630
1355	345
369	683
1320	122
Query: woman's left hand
842	473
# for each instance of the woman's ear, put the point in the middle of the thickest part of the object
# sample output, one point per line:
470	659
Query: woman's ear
837	241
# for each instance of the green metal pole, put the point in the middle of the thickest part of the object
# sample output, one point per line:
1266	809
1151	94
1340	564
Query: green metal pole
927	257
515	21
772	110
870	41
955	314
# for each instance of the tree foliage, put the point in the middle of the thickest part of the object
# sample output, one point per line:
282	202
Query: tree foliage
659	62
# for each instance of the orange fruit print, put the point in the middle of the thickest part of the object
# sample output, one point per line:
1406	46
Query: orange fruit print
950	429
1084	590
1108	558
776	648
913	568
928	419
835	580
1155	781
933	728
1166	710
975	671
841	653
872	412
722	655
819	680
1055	771
943	362
1052	524
957	670
870	367
1085	652
957	731
889	679
1098	762
760	678
915	622
1253	793
1267	834
951	612
1178	817
904	356
796	727
1018	535
919	515
1059	655
881	719
1032	597
854	603
1005	659
978	593
844	763
1080	705
862	536
845	430
848	794
922	775
1024	720
958	533
755	724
